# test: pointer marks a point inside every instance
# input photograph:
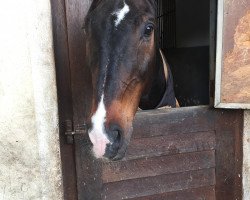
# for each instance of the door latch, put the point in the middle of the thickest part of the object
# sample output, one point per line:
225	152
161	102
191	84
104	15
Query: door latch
71	130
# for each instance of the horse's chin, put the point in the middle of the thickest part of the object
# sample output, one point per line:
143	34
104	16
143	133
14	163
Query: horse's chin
117	157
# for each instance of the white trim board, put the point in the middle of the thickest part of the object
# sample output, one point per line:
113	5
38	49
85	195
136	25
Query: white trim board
219	48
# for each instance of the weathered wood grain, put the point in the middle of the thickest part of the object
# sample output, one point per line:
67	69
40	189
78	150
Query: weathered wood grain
229	146
80	76
202	193
65	106
88	182
89	179
158	184
163	122
171	144
149	167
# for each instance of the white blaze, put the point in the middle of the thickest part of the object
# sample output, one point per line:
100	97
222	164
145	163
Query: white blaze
120	14
97	134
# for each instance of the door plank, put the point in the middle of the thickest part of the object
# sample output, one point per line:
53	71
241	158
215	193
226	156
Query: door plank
158	184
148	167
171	144
229	156
202	193
89	179
87	169
80	76
170	121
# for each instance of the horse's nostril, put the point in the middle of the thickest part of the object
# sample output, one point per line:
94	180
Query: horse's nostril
115	137
115	134
116	140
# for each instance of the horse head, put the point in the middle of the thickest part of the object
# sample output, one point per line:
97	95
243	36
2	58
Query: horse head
121	53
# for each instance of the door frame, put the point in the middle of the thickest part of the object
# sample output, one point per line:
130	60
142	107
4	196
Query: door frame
66	111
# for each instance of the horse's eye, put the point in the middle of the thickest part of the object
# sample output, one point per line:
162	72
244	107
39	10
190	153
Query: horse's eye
148	30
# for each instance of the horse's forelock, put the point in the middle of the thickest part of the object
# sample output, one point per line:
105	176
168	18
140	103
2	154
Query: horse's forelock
153	3
95	4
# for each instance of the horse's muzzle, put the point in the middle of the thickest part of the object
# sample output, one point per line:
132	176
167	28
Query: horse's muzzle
115	136
111	142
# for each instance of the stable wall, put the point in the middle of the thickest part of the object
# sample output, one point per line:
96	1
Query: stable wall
30	165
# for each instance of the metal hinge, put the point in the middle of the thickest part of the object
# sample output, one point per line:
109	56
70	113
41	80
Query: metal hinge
71	130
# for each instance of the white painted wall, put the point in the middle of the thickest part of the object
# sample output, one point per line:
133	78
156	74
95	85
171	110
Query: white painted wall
246	156
30	165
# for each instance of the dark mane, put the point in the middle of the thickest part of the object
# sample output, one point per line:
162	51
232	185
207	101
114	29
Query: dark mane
94	5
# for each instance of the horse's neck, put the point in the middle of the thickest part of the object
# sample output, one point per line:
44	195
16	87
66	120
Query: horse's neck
155	91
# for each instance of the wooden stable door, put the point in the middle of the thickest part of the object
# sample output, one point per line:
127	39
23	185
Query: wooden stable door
188	153
185	154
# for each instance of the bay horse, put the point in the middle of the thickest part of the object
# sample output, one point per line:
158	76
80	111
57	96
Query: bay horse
127	69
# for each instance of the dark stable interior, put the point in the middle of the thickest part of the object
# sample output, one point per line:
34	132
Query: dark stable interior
184	38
